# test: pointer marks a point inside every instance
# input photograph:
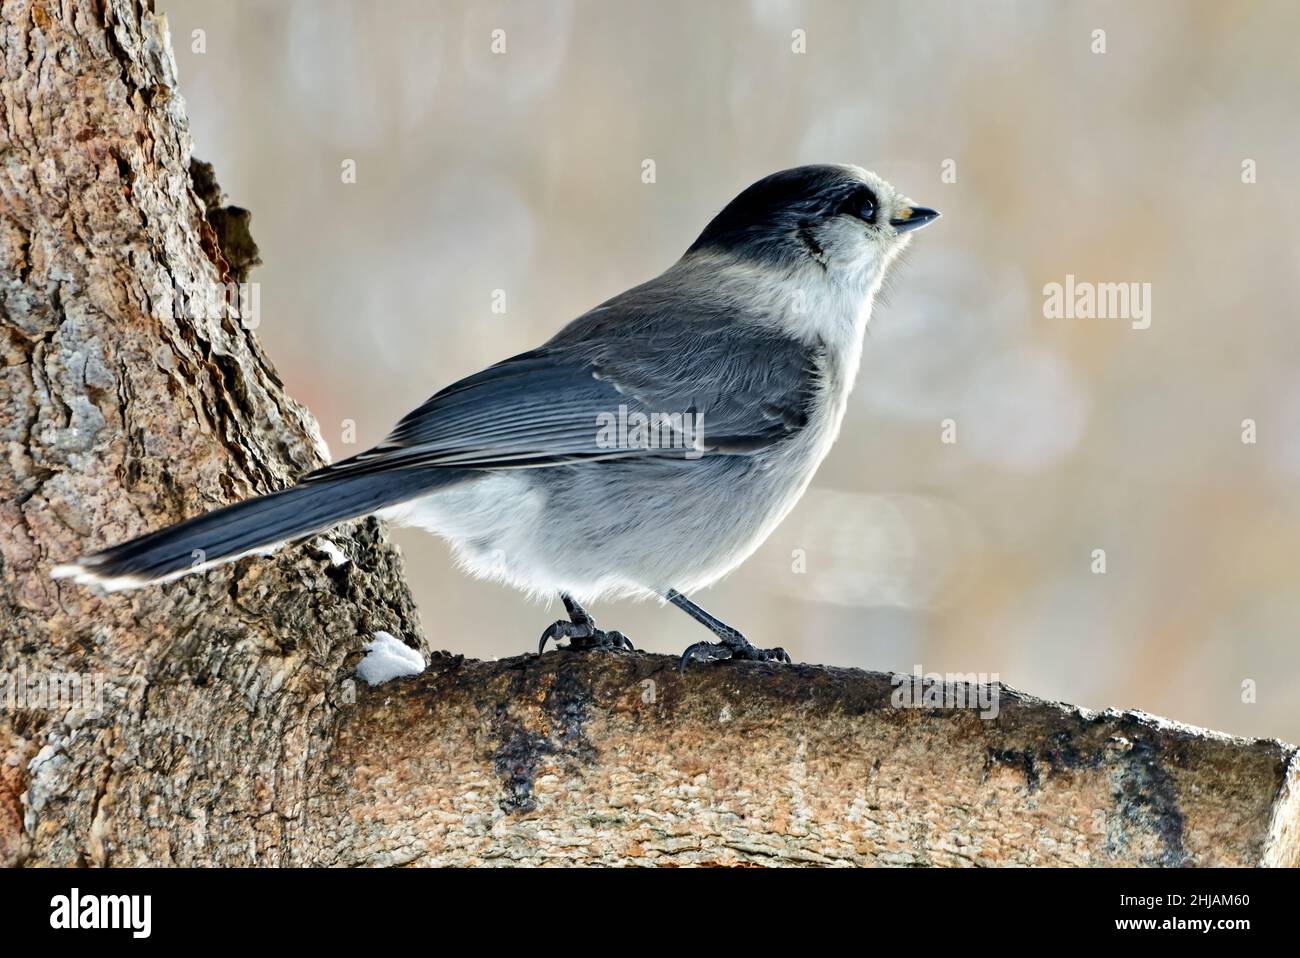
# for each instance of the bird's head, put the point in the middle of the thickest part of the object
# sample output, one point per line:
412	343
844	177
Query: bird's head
844	219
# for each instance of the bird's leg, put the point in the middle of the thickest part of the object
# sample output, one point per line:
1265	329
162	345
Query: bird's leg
733	644
580	629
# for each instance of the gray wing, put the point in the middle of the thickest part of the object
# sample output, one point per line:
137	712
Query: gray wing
543	407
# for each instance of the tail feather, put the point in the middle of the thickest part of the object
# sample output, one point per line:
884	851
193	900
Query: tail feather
247	528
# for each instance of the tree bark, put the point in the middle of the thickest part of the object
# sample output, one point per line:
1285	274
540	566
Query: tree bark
618	759
121	413
231	731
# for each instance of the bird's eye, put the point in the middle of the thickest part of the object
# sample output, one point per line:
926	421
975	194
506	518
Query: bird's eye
862	204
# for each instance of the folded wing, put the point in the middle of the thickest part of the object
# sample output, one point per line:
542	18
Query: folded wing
546	407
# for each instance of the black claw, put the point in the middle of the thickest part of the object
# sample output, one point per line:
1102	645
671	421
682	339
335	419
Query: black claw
556	631
720	651
706	652
583	635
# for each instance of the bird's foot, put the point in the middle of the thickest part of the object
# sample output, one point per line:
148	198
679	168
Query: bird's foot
580	629
732	647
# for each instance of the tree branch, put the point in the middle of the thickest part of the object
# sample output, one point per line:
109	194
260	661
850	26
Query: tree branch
605	758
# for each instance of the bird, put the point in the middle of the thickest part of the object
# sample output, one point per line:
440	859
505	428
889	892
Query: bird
645	450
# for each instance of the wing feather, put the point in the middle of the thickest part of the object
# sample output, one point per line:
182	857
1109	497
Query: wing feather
543	407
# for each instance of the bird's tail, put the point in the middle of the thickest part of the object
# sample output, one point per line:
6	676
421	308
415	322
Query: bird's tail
246	528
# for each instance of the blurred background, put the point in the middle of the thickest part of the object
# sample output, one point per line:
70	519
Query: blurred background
521	171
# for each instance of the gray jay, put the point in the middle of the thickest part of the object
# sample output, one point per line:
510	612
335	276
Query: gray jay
648	448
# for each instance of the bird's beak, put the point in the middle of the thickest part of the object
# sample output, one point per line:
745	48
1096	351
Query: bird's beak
913	218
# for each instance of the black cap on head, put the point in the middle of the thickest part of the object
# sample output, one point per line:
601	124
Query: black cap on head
778	203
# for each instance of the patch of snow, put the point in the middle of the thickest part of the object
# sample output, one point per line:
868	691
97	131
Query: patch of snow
337	558
387	658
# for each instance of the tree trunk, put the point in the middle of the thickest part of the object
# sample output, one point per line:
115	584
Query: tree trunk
230	730
122	413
